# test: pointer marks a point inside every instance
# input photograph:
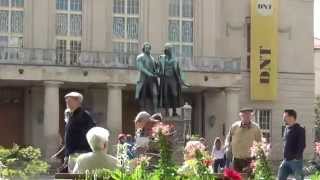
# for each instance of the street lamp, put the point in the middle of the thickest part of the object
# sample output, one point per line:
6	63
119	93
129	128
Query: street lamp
186	118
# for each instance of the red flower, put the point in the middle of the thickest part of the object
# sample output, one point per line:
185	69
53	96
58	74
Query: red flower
232	174
207	162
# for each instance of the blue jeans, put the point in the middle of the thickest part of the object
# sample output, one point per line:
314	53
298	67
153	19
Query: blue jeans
294	167
218	163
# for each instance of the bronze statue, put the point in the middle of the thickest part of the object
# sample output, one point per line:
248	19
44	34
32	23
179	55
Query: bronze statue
147	85
171	81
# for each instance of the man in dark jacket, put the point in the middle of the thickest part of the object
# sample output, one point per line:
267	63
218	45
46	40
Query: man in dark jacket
80	122
294	145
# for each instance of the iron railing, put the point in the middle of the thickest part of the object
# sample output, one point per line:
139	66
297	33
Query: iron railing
53	57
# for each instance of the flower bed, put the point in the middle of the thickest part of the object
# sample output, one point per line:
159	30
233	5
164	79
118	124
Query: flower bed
21	162
261	167
316	175
197	165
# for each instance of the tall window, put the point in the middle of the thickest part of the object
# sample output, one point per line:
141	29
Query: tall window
181	27
68	31
11	23
125	31
263	118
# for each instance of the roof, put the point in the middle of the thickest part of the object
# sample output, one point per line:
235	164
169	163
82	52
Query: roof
316	43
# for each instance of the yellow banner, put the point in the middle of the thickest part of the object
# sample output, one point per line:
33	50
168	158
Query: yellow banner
264	49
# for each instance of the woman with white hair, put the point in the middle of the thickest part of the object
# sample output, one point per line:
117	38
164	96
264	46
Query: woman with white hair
98	139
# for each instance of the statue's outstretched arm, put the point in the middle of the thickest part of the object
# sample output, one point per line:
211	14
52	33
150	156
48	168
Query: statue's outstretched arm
182	76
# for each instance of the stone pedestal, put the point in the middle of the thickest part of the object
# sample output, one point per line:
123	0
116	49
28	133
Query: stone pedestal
179	138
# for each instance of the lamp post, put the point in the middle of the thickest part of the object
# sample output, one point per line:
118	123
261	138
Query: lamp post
186	118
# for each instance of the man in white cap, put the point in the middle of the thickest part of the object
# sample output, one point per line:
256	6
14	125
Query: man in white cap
144	123
240	139
76	128
98	139
141	119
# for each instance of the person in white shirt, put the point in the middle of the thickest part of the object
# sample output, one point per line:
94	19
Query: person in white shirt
218	155
98	139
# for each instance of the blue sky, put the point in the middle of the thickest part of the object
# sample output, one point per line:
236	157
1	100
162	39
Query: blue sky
317	18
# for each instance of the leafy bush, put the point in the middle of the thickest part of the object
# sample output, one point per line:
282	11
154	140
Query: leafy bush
316	176
21	162
261	166
313	168
317	118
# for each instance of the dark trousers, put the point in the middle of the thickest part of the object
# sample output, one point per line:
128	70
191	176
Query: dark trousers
218	163
241	165
149	95
170	86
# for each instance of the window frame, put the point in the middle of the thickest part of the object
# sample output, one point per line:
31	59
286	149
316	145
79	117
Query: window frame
181	19
69	55
125	39
268	123
69	13
9	33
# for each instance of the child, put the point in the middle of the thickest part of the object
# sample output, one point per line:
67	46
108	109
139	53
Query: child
217	154
131	148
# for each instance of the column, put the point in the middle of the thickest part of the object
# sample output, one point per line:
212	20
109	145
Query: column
114	113
215	105
37	116
27	116
51	117
232	106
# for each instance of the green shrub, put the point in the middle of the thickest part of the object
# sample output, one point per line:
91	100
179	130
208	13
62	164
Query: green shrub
21	162
316	176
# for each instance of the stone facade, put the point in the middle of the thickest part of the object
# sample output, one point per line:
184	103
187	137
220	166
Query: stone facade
317	70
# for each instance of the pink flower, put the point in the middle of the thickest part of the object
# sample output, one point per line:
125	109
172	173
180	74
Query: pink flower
260	148
165	129
317	148
253	166
193	146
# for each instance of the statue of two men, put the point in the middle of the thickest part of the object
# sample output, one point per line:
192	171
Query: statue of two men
160	82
